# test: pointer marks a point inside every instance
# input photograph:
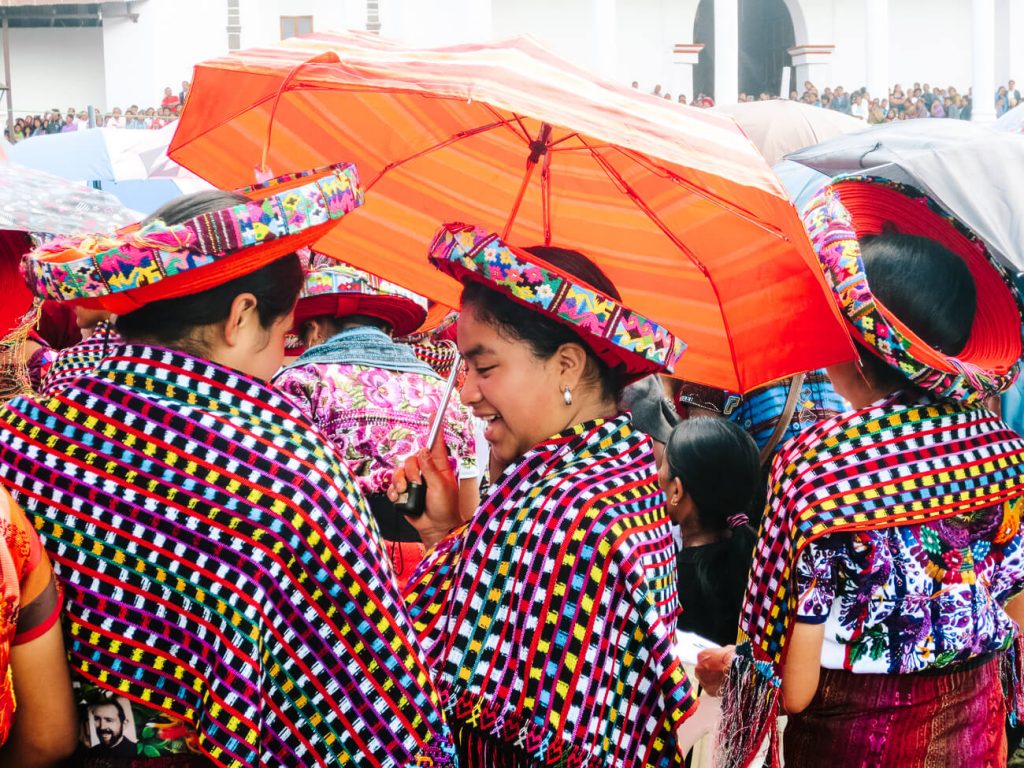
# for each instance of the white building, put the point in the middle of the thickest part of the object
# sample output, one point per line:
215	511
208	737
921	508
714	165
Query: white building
122	53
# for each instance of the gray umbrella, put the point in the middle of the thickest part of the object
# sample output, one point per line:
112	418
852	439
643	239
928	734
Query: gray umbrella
971	171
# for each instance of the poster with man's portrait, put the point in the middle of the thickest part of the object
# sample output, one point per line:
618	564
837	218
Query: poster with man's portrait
111	728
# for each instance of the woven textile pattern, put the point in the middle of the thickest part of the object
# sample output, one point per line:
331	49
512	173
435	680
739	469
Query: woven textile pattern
895	463
549	620
459	247
81	358
220	565
131	260
760	410
872	469
835	241
327	276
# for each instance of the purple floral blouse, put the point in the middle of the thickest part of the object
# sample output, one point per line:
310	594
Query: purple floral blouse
377	417
914	597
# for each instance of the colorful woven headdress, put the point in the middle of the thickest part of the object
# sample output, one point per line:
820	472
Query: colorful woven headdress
855	207
141	264
616	334
338	289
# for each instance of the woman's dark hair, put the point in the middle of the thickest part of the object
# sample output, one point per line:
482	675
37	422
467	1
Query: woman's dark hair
338	324
717	463
543	335
927	286
276	286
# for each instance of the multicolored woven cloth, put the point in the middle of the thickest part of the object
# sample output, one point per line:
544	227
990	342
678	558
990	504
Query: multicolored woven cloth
879	467
220	565
109	270
616	333
997	328
759	411
436	347
81	358
549	620
337	289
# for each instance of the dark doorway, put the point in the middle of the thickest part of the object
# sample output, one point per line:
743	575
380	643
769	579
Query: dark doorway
766	34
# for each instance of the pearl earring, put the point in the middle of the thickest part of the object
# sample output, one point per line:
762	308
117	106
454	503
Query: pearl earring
567	395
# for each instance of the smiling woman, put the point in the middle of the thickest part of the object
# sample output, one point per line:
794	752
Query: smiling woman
549	618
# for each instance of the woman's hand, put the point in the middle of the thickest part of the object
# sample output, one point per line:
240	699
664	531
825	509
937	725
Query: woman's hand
441	513
712	667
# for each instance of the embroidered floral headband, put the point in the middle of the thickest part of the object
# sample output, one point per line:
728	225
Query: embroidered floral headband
618	335
858	206
338	289
138	265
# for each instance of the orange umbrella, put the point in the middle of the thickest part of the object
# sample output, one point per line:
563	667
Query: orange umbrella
674	203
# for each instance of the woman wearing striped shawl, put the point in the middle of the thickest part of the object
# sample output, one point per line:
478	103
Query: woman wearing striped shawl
549	619
883	606
228	601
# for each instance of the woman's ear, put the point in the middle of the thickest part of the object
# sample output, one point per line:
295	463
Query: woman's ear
241	318
675	493
571	359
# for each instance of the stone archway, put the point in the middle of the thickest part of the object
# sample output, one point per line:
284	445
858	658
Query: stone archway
767	30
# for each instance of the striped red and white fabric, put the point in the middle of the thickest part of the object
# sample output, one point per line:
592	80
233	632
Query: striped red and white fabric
674	203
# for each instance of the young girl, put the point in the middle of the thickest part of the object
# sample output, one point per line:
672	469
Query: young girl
710	474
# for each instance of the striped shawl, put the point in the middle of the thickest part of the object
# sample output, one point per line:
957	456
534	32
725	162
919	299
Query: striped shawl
220	566
900	462
549	620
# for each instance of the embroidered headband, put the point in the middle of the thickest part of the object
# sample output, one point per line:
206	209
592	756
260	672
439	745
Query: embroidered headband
338	289
858	206
617	335
156	261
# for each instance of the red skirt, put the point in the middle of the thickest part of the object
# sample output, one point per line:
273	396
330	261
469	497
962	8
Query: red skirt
954	719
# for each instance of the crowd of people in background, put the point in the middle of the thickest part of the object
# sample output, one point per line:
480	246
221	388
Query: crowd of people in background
920	101
134	117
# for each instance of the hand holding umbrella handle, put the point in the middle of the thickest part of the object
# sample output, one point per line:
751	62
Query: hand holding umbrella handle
412	503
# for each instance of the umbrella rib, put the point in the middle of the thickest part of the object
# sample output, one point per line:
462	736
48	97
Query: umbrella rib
631	193
644	161
440	145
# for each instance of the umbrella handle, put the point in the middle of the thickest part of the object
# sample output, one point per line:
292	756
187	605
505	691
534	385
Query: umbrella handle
327	57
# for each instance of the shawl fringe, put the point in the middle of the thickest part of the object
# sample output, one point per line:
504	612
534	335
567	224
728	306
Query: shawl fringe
750	710
1012	674
487	737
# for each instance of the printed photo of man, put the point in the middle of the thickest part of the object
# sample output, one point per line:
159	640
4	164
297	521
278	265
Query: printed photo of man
109	720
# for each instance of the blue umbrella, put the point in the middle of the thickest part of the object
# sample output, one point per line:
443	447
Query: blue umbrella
93	154
118	160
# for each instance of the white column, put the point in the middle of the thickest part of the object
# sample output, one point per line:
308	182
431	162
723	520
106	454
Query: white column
727	51
983	77
684	58
876	36
812	62
603	41
1011	36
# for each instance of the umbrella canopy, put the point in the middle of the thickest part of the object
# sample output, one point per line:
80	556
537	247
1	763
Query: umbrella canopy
673	203
1012	121
146	195
779	126
971	171
92	154
132	165
35	201
802	183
